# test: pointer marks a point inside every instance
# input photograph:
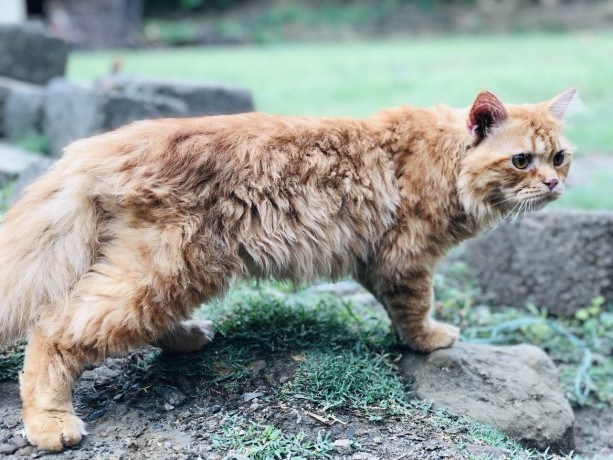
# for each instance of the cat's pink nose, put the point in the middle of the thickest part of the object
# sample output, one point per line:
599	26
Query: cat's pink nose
551	183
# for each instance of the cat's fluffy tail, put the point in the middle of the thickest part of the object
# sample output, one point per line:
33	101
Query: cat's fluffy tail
46	244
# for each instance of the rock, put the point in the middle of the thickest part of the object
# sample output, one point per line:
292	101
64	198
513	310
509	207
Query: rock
201	98
343	446
513	388
22	112
250	396
14	161
8	449
557	260
7	87
70	112
31	172
29	53
98	377
172	396
95	415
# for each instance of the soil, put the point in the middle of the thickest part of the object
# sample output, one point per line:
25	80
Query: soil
133	414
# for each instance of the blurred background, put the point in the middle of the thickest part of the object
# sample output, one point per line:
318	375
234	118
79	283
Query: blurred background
346	57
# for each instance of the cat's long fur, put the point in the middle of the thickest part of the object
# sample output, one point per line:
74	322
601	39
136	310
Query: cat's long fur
131	230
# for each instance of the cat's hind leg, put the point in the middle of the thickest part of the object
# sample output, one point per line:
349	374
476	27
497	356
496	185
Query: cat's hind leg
186	337
118	306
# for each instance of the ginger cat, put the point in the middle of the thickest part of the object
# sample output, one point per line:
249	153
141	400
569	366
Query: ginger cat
132	230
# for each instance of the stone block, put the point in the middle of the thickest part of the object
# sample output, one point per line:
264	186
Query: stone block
13	161
201	98
7	87
558	260
22	112
72	111
30	53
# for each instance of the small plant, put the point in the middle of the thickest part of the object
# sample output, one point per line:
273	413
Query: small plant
351	379
250	440
11	360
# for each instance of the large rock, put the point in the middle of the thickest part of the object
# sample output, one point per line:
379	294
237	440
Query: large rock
72	111
10	86
557	260
201	98
514	388
28	175
29	53
22	112
13	161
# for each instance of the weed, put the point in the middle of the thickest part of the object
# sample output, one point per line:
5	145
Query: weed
353	380
252	440
11	360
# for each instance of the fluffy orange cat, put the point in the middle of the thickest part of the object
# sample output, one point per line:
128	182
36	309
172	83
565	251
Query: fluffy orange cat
132	230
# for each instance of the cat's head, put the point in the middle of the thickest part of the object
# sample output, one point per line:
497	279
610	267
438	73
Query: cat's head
518	157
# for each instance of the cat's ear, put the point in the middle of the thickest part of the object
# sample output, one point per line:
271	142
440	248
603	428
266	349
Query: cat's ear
487	111
562	104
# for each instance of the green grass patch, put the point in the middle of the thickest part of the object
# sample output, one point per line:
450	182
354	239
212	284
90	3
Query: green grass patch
250	440
352	380
259	319
11	360
361	77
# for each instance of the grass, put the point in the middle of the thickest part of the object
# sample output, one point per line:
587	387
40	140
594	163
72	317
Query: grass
352	380
358	78
250	440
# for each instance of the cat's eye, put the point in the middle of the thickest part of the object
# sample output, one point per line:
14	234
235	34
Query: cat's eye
558	158
521	160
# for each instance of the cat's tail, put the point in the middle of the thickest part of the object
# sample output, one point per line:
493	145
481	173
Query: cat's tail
47	242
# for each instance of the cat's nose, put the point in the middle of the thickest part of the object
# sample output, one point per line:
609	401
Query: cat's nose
551	183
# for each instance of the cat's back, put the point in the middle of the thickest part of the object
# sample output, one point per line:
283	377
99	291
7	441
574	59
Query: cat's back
295	195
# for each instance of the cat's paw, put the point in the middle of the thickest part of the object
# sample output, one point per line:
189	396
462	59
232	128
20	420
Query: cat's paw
53	430
198	334
189	337
437	335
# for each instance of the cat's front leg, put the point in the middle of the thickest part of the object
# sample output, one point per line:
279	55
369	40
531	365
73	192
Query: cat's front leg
408	301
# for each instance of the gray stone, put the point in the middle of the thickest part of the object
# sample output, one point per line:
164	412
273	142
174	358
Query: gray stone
343	446
8	449
30	173
8	86
72	111
13	161
513	388
201	98
30	53
172	396
557	260
22	112
119	109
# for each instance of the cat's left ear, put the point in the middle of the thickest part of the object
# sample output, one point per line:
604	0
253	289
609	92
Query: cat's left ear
487	111
559	106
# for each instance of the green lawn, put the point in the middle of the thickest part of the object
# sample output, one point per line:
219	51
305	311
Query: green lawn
358	78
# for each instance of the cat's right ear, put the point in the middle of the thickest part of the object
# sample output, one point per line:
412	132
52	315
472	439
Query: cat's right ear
487	111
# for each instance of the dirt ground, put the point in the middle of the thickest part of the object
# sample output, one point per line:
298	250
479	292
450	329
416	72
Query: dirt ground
133	414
